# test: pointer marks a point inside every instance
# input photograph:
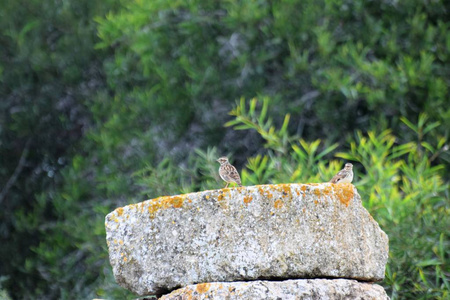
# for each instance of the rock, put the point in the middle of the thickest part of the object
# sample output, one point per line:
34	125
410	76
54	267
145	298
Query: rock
285	290
274	232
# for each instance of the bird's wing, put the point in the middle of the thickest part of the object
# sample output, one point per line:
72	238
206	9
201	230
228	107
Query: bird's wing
235	175
339	176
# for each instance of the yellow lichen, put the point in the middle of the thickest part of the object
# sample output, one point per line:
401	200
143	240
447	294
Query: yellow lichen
344	193
203	288
119	211
265	191
317	192
285	188
125	259
177	202
164	203
223	195
220	197
278	203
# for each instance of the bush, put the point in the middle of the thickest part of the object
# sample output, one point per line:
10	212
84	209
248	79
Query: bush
334	65
398	184
84	131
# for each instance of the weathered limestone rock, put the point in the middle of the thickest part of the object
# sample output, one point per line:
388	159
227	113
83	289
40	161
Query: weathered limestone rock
283	231
324	289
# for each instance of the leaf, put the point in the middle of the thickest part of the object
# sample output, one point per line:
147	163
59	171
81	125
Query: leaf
441	246
285	124
423	117
409	124
231	123
327	150
428	146
299	152
242	106
263	112
429	262
313	147
402	149
441	142
430	127
242	127
346	156
252	107
423	278
263	163
28	27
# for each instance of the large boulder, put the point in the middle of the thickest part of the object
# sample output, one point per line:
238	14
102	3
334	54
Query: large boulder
283	231
324	289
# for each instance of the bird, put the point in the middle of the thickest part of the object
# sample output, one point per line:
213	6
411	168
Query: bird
228	172
345	175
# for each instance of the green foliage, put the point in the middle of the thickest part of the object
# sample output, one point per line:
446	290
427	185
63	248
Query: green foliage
197	174
336	64
49	73
399	186
248	120
103	103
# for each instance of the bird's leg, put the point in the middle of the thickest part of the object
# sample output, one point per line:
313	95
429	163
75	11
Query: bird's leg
226	185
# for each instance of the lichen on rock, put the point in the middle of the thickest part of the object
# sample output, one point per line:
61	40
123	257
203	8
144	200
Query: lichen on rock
289	289
277	232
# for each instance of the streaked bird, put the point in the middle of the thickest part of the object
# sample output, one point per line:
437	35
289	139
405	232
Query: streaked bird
345	175
228	173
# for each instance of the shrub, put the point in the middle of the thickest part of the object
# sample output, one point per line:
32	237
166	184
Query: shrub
398	184
333	65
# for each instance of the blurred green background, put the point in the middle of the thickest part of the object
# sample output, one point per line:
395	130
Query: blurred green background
105	103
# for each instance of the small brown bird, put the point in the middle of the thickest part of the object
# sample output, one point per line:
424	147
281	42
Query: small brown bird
228	173
345	175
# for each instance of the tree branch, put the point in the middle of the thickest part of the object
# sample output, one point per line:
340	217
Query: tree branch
12	180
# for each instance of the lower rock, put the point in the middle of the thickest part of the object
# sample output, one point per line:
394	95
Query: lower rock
290	289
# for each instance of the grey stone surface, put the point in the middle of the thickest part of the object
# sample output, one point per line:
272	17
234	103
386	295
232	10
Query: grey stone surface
323	289
283	231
